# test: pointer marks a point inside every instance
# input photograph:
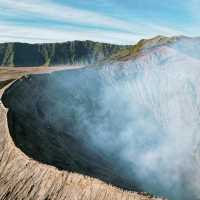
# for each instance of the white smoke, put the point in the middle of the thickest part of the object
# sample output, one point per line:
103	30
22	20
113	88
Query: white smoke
149	114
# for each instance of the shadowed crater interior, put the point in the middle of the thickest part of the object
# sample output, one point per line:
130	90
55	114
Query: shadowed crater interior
52	119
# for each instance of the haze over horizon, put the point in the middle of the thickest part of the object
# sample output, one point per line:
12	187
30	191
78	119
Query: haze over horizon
114	21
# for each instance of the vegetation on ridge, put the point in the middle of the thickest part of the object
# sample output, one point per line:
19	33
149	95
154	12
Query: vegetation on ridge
50	54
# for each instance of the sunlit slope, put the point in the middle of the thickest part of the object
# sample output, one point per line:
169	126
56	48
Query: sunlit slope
186	45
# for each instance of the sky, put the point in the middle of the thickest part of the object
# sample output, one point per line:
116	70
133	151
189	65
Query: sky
113	21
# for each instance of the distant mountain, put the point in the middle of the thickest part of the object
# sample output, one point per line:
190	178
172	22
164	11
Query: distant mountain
89	52
186	45
50	54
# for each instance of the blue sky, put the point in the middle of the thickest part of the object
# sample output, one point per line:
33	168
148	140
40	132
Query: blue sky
114	21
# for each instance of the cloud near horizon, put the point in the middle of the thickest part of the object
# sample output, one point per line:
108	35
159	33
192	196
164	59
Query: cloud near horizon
49	21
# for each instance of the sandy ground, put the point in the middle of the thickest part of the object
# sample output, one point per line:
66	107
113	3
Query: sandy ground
7	73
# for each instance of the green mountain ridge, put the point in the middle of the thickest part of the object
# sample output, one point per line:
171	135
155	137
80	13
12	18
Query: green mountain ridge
54	54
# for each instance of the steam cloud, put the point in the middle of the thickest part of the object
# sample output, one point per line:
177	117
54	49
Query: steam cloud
146	113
